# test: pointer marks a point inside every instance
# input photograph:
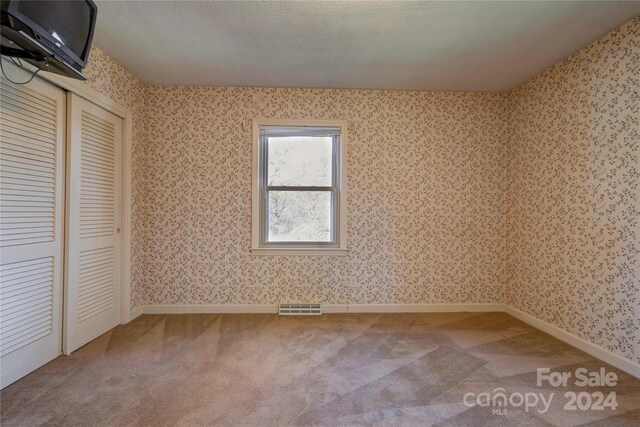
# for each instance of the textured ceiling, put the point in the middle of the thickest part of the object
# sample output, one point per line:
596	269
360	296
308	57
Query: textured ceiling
457	46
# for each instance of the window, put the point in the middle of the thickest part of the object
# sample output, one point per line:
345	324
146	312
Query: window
299	195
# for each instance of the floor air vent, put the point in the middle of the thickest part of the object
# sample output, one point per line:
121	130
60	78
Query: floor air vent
300	309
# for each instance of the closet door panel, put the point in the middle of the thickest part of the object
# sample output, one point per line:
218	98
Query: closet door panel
93	243
32	136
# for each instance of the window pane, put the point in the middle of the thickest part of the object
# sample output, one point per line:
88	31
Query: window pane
299	216
300	161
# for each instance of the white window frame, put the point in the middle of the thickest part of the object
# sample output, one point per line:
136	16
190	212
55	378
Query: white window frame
258	246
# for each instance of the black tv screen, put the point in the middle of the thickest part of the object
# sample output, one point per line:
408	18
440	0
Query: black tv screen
69	22
65	22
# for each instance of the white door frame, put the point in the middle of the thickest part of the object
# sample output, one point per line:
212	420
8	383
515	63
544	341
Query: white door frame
83	90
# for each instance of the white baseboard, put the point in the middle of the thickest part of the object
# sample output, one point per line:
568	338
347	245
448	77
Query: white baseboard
136	312
213	308
326	308
409	308
594	350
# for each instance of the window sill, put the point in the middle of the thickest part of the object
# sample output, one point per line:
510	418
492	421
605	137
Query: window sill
298	252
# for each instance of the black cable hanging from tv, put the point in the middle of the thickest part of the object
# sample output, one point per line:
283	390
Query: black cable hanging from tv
22	67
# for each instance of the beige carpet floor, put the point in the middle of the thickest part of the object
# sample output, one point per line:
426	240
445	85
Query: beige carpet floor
339	369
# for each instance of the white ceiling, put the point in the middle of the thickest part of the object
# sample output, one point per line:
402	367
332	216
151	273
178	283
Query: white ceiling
457	46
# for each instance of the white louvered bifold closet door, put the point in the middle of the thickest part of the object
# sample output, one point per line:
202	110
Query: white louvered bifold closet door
93	222
32	131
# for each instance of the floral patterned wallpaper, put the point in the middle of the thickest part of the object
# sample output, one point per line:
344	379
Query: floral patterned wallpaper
426	198
528	198
574	194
